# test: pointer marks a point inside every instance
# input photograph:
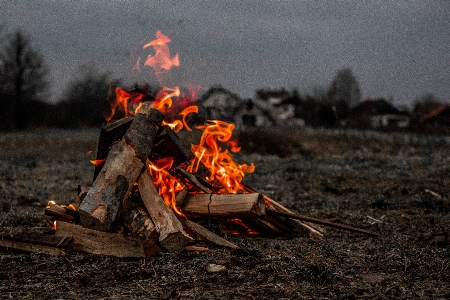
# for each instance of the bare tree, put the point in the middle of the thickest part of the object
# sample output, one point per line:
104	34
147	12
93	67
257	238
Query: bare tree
23	76
85	99
345	88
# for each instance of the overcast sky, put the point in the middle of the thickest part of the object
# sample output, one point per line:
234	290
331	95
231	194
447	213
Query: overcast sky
396	49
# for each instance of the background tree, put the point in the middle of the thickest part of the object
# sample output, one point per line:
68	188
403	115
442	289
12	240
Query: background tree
344	89
23	80
85	100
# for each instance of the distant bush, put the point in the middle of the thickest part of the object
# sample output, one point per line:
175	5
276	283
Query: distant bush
281	142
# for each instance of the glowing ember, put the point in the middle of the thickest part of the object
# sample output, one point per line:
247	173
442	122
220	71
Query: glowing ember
221	166
97	162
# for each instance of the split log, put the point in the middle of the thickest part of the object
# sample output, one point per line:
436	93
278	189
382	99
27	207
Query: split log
171	233
125	161
209	235
109	134
224	205
99	242
38	242
136	220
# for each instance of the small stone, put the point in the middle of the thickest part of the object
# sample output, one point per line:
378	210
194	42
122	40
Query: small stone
213	268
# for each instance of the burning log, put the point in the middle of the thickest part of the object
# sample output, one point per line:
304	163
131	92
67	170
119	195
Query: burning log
171	233
68	214
168	144
125	161
99	242
40	242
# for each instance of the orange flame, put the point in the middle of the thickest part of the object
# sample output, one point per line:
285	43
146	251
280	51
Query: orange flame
166	184
219	163
161	60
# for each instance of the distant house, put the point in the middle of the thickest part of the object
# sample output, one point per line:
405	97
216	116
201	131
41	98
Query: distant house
438	117
286	108
377	113
219	103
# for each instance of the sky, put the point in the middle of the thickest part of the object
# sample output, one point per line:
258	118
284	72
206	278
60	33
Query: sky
399	50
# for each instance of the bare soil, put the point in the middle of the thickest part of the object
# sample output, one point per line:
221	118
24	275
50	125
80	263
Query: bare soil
398	188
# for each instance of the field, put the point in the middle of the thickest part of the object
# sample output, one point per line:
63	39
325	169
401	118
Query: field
395	185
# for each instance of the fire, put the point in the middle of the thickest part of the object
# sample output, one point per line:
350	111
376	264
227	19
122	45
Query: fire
161	61
166	184
223	171
221	166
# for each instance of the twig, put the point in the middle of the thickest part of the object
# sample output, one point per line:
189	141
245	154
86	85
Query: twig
319	221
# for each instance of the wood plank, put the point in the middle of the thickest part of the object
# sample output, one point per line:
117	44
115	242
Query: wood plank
125	161
224	205
171	233
38	242
101	243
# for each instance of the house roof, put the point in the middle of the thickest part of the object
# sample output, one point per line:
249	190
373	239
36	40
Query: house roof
444	108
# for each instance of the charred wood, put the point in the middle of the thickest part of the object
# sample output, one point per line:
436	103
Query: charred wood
34	241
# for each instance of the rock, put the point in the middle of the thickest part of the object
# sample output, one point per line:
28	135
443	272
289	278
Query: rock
213	268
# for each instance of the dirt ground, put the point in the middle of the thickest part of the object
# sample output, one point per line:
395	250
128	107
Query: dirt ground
397	188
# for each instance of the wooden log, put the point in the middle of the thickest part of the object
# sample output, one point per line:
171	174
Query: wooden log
125	161
101	243
224	205
192	179
171	233
168	144
38	242
209	235
109	134
136	220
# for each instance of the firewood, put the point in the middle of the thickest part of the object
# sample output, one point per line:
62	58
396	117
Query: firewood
224	205
192	179
109	134
136	220
61	213
37	242
125	161
181	196
171	233
101	243
209	235
320	221
168	144
314	231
